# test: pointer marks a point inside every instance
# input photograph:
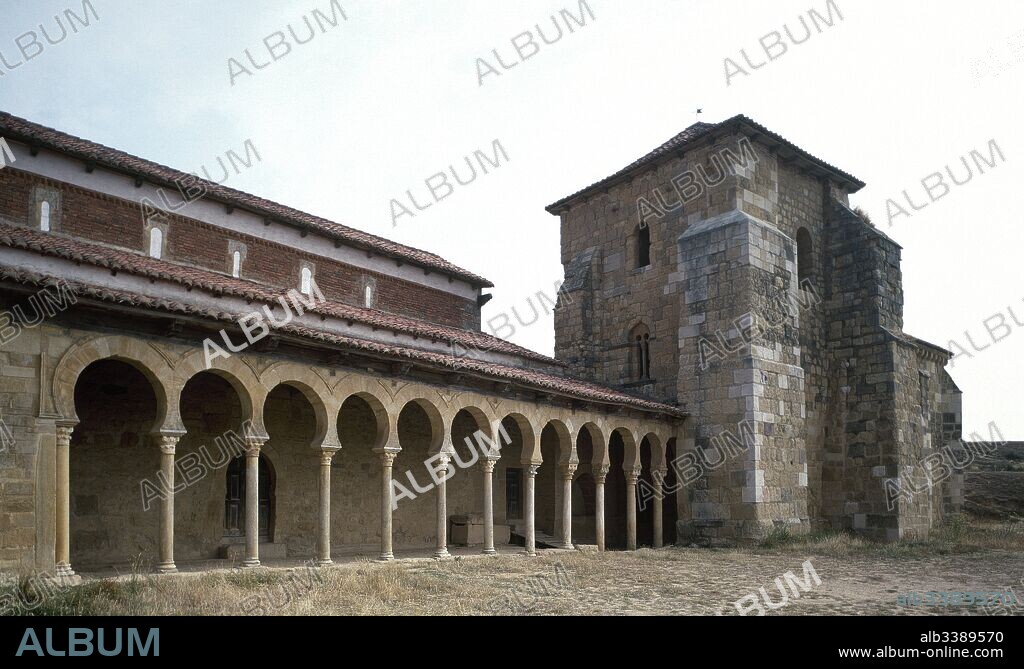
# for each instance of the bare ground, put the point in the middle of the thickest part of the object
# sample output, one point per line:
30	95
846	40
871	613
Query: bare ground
857	578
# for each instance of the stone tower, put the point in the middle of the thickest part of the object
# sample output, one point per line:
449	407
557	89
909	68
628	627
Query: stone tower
725	272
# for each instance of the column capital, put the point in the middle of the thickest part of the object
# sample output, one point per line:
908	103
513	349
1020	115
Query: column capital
387	457
64	431
601	472
488	465
253	446
632	475
568	470
167	443
326	455
530	470
658	475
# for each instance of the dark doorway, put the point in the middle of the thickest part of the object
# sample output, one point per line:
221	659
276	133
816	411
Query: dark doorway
234	501
670	509
644	503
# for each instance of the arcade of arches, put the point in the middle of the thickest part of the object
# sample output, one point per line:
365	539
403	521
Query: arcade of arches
282	459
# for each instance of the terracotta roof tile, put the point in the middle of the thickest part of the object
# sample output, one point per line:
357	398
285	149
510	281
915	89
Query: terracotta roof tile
531	378
220	284
15	128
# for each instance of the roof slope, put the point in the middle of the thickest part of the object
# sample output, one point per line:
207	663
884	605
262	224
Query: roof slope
33	134
698	132
534	379
69	248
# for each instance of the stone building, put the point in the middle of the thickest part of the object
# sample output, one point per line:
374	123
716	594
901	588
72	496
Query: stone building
190	373
725	272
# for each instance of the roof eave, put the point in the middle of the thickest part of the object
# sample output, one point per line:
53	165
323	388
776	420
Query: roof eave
36	143
756	131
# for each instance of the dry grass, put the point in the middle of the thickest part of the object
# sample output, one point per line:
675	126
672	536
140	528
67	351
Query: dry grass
857	578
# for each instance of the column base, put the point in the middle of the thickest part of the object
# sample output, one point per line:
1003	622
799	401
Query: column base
327	562
567	547
386	557
530	553
166	568
250	563
63	570
489	551
442	555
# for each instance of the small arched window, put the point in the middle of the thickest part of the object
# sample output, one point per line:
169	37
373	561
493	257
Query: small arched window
236	264
368	295
44	216
306	281
156	243
643	246
640	352
804	255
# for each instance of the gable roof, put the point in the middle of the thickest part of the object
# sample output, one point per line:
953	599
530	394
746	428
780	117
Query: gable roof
700	133
35	135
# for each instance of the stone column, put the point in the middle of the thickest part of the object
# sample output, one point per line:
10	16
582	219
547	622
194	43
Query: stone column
252	503
168	445
600	476
387	461
657	479
488	466
323	545
530	479
442	469
567	474
632	476
63	502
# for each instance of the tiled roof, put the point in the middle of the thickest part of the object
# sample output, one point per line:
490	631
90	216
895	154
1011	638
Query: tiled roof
220	284
15	128
696	132
533	379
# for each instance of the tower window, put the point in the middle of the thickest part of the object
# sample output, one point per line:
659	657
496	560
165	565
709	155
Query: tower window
640	352
368	295
156	242
922	381
236	264
643	246
804	255
44	216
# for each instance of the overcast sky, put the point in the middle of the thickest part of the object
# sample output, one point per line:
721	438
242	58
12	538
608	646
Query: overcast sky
373	107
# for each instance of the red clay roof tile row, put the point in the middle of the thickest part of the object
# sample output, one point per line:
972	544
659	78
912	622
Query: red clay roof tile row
15	128
69	248
530	378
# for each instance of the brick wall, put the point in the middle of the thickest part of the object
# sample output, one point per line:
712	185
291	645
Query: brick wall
97	217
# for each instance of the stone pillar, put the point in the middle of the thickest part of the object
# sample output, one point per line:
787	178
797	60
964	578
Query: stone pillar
387	461
632	476
657	480
323	545
567	472
63	502
442	469
252	503
488	466
168	445
530	479
600	476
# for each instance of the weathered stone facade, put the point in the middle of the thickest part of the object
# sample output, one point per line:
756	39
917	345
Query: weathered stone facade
369	416
727	365
774	315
